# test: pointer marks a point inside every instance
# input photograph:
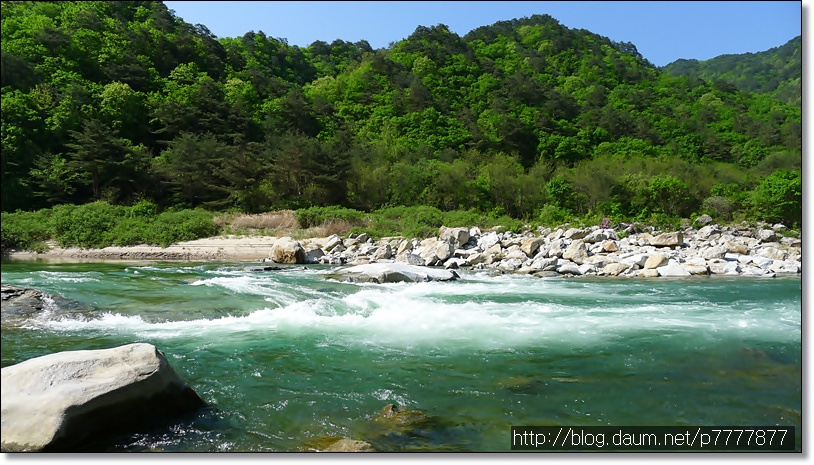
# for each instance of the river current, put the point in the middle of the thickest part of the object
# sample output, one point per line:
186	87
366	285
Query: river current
290	361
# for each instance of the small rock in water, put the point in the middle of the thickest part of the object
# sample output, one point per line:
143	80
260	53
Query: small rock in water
395	273
350	445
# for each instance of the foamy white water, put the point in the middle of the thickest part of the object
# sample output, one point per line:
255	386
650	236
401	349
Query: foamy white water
478	311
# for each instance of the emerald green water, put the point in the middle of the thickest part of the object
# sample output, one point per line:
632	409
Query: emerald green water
289	359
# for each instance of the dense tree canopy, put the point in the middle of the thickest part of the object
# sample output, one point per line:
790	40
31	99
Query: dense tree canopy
124	101
777	71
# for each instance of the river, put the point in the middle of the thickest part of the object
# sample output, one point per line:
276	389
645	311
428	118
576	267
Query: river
290	361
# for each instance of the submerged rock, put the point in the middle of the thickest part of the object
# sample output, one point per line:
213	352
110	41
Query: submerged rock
60	401
264	268
400	418
349	445
394	273
20	302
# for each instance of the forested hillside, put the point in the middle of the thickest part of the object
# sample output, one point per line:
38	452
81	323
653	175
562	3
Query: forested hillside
777	71
124	101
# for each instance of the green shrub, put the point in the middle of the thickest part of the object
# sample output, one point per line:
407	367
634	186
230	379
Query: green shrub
143	209
780	197
24	230
316	216
552	215
719	207
184	225
88	225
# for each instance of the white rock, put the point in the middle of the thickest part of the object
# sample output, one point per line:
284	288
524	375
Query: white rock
530	246
576	233
672	269
600	235
773	253
615	269
671	239
510	264
713	252
576	252
696	269
707	231
454	263
648	273
587	268
655	261
332	241
410	259
568	267
455	236
544	264
488	240
779	266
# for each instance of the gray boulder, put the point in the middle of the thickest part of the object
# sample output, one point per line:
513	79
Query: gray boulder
615	269
331	242
708	231
18	302
313	255
287	250
671	239
455	236
576	233
766	235
510	264
530	245
736	247
601	235
710	253
394	273
61	401
672	269
455	263
655	261
576	252
568	267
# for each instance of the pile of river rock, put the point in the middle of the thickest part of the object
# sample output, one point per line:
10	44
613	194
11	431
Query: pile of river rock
594	251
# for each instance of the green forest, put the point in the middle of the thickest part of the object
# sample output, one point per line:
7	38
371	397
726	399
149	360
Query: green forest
777	71
125	103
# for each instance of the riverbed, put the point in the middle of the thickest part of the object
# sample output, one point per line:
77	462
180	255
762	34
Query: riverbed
290	361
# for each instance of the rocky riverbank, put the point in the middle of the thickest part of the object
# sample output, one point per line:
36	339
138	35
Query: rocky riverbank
709	250
703	249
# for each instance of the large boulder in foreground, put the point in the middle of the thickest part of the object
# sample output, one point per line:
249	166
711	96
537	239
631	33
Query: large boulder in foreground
287	250
394	273
61	401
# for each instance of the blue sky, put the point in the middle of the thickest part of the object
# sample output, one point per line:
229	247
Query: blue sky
663	31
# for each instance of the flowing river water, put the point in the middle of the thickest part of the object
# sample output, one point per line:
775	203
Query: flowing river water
290	361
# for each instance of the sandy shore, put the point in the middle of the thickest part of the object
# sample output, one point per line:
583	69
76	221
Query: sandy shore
236	248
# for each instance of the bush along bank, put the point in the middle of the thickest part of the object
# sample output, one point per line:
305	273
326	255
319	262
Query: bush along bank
710	249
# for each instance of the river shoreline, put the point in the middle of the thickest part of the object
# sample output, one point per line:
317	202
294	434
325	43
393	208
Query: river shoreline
711	249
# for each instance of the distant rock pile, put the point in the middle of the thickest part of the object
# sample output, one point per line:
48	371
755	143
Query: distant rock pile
594	251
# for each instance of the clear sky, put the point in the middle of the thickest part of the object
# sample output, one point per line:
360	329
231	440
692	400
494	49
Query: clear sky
663	31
